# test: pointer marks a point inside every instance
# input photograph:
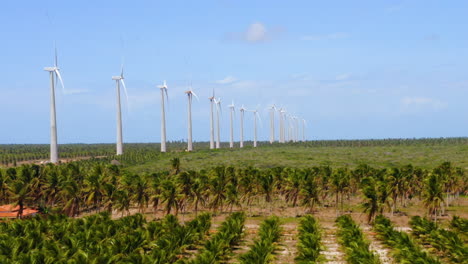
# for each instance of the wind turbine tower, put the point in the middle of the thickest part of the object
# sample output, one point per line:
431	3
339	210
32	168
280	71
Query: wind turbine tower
242	110
303	129
255	113
212	101
190	95
231	136
272	123
218	132
54	73
163	116
296	119
119	79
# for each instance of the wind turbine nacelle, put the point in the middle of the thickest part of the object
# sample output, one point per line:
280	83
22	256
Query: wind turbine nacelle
117	78
50	69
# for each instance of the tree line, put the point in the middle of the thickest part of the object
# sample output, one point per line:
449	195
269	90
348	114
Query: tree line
84	186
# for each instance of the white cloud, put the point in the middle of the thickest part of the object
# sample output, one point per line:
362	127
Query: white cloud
256	33
422	102
227	80
331	36
343	77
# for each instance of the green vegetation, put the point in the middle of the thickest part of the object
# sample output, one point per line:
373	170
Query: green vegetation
422	153
309	243
98	239
460	225
291	179
262	249
352	240
444	241
222	243
86	186
403	247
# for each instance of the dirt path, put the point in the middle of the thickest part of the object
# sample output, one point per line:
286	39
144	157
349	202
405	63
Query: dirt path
332	251
377	246
287	246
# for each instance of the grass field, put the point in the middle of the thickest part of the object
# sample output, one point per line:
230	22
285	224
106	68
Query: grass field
300	156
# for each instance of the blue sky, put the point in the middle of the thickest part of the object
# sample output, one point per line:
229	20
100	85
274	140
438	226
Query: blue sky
352	69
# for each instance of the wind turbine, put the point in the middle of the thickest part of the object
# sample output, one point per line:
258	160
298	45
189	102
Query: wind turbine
297	128
255	113
163	116
212	101
218	110
54	73
282	113
272	123
120	79
231	141
242	110
190	95
303	129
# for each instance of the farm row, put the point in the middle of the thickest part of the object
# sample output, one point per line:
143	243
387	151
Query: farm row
78	187
133	239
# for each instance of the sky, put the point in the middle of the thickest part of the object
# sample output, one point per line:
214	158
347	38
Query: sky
352	69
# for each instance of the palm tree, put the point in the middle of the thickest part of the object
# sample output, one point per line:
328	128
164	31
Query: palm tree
293	185
21	194
310	191
71	196
218	184
109	193
200	192
140	193
175	164
4	189
122	201
340	184
186	181
170	195
433	195
371	193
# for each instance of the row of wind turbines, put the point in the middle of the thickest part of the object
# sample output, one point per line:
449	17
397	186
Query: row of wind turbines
288	124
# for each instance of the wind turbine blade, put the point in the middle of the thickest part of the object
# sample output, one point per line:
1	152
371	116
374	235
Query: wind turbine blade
55	58
125	91
121	70
57	72
167	97
194	94
259	119
218	103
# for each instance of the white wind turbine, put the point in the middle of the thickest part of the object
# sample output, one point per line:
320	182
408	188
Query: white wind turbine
255	113
282	113
118	80
54	73
163	115
212	102
218	132
242	110
272	123
296	119
190	95
231	136
303	129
